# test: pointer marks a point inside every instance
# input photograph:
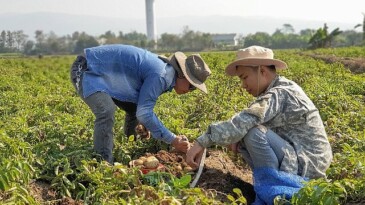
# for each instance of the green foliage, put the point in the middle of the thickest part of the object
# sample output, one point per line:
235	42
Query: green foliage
240	198
15	175
168	182
321	192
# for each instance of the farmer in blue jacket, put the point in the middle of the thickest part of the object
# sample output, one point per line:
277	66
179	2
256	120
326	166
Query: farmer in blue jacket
132	79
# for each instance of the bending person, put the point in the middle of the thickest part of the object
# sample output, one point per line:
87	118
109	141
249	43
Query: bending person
132	79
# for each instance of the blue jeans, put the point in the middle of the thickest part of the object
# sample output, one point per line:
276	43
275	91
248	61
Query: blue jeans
262	147
103	107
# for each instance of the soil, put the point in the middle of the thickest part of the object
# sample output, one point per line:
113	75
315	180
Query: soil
355	65
222	173
42	192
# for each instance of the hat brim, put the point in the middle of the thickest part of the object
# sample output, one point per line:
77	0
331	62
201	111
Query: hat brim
231	69
181	59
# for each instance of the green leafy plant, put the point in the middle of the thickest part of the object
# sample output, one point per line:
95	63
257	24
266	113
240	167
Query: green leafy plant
239	199
321	192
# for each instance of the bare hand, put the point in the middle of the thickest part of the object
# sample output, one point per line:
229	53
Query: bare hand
181	143
142	131
194	155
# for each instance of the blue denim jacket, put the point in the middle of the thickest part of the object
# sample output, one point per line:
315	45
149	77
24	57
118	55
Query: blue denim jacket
130	74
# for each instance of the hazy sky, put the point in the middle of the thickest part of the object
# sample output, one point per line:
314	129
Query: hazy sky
349	11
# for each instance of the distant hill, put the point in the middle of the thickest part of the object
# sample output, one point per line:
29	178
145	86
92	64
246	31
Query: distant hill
63	24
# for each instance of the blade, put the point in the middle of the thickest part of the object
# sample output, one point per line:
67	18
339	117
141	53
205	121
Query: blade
200	169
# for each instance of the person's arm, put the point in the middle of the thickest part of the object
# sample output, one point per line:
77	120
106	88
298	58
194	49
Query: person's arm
151	89
233	130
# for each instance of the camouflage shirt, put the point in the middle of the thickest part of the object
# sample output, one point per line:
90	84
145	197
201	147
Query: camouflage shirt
285	109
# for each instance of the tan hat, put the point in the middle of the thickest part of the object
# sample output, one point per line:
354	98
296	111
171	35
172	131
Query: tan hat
254	55
193	68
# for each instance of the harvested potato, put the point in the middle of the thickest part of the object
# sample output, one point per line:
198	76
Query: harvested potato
178	167
138	162
151	162
143	158
188	169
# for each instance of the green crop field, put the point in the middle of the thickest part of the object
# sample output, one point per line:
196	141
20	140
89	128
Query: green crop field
46	133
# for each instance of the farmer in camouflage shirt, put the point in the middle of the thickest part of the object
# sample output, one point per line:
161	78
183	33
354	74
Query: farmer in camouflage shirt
281	129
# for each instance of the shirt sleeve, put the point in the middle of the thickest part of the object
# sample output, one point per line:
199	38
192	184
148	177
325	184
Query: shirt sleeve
224	133
151	89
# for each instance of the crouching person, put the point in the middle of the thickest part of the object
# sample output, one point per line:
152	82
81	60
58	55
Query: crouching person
280	135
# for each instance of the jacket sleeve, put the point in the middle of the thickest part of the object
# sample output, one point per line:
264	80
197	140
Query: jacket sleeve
151	89
224	133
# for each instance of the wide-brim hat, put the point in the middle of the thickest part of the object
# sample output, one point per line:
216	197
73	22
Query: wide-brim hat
193	68
254	56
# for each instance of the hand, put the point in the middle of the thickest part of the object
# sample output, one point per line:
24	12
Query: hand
142	131
233	147
181	143
194	155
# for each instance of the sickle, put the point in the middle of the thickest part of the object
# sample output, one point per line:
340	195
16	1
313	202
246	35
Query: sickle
200	169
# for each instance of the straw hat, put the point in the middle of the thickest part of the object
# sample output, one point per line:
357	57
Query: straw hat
193	68
254	55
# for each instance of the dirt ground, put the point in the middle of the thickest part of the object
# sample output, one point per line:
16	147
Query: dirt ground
222	173
355	65
44	194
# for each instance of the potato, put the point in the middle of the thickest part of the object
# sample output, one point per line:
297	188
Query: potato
178	167
138	162
151	162
143	158
188	169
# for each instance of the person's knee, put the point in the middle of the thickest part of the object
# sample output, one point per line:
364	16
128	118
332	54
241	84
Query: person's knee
106	112
255	135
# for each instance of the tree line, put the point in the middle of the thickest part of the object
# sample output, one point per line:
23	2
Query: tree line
188	40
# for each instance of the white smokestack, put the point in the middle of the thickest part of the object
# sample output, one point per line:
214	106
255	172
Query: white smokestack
150	20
